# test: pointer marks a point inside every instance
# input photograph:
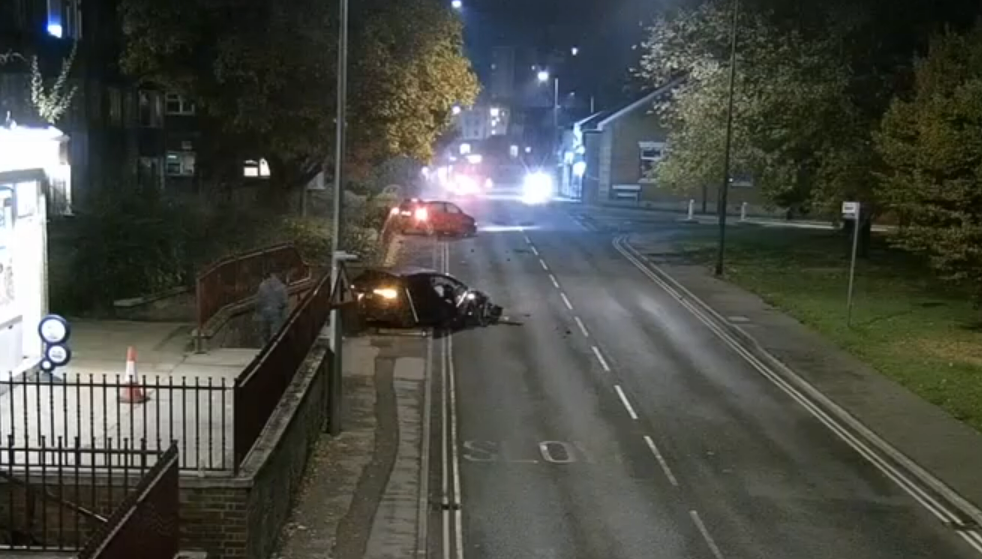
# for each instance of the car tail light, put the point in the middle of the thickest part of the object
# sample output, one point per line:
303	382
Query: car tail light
422	214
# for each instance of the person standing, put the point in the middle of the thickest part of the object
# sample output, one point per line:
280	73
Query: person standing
272	306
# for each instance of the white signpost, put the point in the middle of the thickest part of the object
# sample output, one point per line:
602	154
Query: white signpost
851	211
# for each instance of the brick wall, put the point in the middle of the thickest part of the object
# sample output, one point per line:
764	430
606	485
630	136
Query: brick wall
230	517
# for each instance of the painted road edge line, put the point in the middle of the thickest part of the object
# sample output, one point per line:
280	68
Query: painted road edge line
661	461
706	535
583	330
600	357
627	404
555	283
864	441
566	301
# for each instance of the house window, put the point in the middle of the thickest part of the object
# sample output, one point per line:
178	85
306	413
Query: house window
151	110
256	169
180	163
115	106
651	154
179	105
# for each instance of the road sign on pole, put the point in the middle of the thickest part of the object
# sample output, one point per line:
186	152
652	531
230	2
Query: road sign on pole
851	211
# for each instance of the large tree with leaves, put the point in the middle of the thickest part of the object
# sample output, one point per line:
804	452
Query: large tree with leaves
263	75
931	143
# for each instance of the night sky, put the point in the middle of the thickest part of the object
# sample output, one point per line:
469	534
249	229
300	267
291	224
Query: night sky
604	31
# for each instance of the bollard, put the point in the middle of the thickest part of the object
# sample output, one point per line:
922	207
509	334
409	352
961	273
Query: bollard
692	206
743	211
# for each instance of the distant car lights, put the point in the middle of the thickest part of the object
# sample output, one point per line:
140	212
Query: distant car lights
538	188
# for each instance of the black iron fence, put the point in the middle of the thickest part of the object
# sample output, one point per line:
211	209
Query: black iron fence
100	411
259	388
58	497
146	523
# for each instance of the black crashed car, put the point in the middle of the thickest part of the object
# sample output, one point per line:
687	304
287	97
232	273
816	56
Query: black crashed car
414	297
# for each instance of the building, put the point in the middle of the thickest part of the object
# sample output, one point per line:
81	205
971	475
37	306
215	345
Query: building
483	121
610	157
503	74
116	131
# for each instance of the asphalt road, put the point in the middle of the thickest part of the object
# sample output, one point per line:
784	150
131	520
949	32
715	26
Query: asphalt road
613	424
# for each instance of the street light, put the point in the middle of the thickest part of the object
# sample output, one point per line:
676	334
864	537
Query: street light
574	51
457	4
721	203
543	76
455	110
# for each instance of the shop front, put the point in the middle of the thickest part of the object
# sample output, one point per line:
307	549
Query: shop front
31	161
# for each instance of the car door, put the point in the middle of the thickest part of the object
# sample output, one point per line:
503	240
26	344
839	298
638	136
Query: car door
437	212
454	218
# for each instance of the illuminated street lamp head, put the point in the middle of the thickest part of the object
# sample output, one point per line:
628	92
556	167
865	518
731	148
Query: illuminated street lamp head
543	75
455	110
574	51
457	4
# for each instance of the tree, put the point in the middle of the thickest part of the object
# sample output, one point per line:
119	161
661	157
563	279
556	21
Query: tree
931	144
263	76
796	130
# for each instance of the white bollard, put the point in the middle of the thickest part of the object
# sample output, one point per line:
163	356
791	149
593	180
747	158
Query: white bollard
692	209
743	211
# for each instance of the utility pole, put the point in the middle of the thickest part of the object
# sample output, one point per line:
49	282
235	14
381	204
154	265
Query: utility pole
556	136
724	188
334	381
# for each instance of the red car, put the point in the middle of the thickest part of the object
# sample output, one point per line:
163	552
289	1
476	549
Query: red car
432	218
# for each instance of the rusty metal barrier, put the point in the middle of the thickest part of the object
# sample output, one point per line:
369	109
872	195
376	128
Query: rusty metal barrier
236	278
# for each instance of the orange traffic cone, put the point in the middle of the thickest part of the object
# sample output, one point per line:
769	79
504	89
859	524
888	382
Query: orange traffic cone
131	392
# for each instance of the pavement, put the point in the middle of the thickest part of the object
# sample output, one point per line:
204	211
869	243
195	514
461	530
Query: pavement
615	422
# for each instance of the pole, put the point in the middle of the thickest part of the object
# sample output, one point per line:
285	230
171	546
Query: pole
334	382
555	120
592	105
852	265
721	204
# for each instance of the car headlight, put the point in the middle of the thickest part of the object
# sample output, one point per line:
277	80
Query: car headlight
386	293
538	186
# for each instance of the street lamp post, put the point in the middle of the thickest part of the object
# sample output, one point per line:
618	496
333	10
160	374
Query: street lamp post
724	189
543	77
334	380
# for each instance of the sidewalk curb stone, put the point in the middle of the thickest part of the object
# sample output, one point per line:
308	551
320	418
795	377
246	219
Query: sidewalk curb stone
751	345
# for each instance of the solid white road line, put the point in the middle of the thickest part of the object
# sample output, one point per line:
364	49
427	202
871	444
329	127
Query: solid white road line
566	301
600	356
661	461
627	405
705	535
555	283
583	329
458	512
535	251
543	264
424	467
939	510
445	479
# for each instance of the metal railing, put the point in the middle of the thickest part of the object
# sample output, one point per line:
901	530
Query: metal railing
195	413
259	388
60	496
236	278
146	523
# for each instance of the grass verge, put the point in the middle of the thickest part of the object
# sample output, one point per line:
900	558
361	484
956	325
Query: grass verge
912	328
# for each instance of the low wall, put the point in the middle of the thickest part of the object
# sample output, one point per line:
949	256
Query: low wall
175	305
228	516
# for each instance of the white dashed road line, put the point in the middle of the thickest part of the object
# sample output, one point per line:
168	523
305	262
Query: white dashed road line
705	535
627	404
661	461
543	264
566	301
603	362
583	329
535	251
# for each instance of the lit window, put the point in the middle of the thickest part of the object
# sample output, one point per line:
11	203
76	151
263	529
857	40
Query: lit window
256	169
179	105
180	163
